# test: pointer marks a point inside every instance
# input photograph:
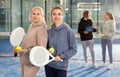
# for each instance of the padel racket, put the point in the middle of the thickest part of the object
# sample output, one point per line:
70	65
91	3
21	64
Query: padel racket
40	56
89	28
16	37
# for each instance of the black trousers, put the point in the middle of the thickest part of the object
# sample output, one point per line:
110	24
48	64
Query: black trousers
52	72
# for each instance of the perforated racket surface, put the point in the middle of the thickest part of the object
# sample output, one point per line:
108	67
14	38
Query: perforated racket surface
90	28
17	36
39	56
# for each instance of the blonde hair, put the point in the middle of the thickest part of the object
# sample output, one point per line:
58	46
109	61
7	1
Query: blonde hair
59	8
37	7
110	15
42	14
85	13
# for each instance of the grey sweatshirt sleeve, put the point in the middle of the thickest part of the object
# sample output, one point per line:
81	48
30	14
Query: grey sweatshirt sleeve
111	32
72	46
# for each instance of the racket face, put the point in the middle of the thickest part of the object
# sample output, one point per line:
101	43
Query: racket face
17	36
89	28
39	56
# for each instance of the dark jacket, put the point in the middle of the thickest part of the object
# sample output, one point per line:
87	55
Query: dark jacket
82	27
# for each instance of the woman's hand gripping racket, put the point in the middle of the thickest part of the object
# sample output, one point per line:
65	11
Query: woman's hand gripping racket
40	56
16	38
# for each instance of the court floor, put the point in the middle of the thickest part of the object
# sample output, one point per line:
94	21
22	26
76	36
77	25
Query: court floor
10	66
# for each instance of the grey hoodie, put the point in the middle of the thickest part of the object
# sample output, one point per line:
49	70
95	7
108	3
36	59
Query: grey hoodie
108	29
64	42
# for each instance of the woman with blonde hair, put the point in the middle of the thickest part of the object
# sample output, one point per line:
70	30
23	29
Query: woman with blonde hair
63	40
36	36
108	31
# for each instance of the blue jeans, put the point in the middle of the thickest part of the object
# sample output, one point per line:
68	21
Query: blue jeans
90	44
108	43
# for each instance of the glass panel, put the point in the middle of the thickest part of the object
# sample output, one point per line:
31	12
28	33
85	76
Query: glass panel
5	15
76	7
16	13
27	5
49	5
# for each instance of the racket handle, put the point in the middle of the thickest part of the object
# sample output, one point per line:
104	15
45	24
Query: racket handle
61	60
15	54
